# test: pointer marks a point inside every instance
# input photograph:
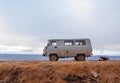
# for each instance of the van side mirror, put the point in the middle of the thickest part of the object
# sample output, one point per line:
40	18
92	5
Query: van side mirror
47	44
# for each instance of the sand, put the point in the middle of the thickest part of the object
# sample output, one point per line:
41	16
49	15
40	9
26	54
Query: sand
59	72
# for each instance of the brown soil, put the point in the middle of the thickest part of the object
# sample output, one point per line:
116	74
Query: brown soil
59	72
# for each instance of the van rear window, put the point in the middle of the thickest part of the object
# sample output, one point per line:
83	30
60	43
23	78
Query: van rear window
80	42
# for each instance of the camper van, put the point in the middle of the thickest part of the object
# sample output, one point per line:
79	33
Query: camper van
65	48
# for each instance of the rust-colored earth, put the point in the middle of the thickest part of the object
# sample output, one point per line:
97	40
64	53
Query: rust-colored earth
59	72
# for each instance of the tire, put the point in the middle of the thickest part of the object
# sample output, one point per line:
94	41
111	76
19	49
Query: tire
80	57
53	57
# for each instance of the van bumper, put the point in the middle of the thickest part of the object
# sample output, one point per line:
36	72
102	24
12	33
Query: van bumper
43	54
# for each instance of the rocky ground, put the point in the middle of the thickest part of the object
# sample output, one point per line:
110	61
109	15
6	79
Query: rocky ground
59	72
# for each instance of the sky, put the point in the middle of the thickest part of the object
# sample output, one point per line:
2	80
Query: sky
26	25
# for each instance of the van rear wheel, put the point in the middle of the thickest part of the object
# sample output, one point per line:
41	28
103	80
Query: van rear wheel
53	57
80	57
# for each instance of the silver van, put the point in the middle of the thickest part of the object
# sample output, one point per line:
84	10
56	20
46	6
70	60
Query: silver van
64	48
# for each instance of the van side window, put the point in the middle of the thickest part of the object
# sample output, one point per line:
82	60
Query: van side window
53	43
80	42
69	42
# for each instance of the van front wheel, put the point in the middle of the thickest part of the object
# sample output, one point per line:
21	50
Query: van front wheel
53	57
80	57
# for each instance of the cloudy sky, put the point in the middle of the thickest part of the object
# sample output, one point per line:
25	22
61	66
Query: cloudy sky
26	25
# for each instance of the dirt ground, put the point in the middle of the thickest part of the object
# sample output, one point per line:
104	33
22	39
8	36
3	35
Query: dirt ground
59	72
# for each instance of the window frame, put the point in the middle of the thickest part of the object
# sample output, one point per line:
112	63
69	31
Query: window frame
80	42
68	42
53	43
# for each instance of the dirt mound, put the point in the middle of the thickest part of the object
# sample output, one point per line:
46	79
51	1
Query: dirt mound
59	72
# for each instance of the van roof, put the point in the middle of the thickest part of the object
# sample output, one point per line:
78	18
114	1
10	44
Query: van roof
68	39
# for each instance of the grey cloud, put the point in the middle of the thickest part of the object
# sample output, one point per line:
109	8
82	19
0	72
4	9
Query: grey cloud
63	19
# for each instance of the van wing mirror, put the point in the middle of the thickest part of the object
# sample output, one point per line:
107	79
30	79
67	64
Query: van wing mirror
47	44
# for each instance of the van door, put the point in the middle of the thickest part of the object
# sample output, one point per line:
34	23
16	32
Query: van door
61	50
69	47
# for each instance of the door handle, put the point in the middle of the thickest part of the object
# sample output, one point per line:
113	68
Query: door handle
66	51
56	47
